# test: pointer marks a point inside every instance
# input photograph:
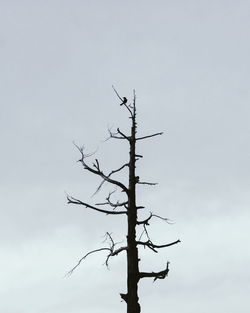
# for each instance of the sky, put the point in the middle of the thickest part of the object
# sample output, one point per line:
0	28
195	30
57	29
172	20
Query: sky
189	64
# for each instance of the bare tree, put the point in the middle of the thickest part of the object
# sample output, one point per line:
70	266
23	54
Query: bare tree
129	208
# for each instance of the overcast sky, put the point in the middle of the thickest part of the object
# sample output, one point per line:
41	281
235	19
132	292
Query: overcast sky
189	63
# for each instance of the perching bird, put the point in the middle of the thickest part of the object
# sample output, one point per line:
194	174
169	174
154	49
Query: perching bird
124	101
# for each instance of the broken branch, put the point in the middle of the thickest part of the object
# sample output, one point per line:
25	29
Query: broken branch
146	183
156	275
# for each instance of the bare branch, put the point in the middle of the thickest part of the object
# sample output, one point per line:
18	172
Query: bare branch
149	136
117	93
147	244
137	178
144	232
112	204
146	183
122	101
123	135
84	257
77	201
146	221
156	275
96	170
96	165
118	170
117	251
167	220
114	135
107	176
140	207
153	247
112	252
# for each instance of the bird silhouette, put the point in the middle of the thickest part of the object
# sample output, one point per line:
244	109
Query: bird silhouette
124	101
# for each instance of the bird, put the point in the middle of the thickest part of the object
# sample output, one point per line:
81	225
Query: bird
124	101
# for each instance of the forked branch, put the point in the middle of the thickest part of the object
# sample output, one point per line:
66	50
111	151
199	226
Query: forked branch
116	134
111	249
123	135
97	171
113	135
79	202
108	176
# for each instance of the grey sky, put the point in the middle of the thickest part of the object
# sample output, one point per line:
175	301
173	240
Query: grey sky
189	63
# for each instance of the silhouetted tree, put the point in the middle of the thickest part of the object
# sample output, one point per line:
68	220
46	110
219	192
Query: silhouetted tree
128	208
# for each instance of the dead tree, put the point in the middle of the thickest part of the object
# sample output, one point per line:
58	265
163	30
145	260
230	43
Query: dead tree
128	208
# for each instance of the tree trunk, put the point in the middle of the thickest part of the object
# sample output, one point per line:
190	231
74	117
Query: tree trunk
132	251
